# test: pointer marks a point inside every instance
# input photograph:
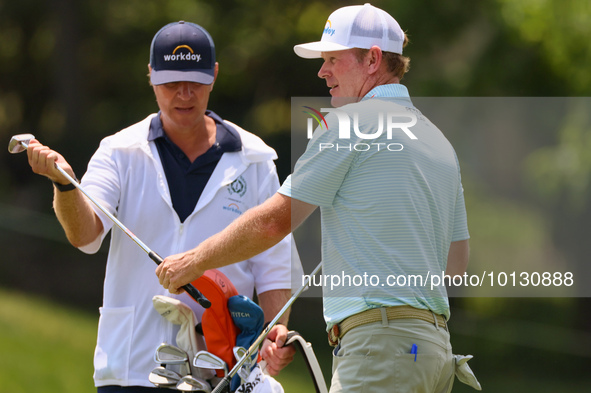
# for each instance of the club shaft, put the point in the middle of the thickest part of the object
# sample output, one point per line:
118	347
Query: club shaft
255	345
190	289
105	211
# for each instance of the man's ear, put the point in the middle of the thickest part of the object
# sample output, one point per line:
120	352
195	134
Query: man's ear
374	59
149	74
215	75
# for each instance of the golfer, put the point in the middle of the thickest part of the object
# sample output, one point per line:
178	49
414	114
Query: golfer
392	205
174	178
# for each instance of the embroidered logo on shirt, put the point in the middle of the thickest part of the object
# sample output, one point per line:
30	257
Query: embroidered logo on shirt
238	186
234	208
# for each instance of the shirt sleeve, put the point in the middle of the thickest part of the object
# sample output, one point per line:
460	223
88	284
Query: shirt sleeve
101	181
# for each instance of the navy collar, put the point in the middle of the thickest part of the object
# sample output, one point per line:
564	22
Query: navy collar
227	138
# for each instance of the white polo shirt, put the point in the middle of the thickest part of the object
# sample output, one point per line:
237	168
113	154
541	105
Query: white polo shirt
126	176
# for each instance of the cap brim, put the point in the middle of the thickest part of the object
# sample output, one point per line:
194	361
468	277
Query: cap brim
167	76
313	50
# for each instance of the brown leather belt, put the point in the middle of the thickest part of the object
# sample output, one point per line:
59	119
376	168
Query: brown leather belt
375	315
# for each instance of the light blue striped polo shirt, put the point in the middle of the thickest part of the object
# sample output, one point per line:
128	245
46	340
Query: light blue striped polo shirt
389	189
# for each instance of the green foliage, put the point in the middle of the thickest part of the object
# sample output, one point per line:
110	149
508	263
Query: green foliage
561	174
561	29
508	236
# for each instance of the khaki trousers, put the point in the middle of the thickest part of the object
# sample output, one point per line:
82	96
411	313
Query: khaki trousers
376	357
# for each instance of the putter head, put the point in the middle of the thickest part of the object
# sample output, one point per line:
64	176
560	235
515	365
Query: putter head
204	359
189	383
19	143
163	377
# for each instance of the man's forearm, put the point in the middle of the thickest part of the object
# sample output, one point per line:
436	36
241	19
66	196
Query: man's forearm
272	302
80	222
257	230
457	259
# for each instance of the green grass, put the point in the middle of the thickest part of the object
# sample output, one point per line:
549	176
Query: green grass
47	348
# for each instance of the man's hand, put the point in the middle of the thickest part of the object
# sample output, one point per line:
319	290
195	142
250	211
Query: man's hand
274	353
42	160
178	270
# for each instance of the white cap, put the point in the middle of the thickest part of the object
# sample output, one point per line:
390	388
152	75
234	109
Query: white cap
357	26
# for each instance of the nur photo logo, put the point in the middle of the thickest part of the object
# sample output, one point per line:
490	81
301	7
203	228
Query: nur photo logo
388	123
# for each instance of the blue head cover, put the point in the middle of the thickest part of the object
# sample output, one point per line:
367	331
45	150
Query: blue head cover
249	318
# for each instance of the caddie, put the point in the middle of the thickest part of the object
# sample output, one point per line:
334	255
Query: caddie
174	179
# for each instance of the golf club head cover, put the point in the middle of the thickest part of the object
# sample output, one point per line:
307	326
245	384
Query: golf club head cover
178	313
258	382
249	319
218	328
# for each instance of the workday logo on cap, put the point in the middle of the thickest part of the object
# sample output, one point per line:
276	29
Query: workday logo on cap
328	28
191	55
182	51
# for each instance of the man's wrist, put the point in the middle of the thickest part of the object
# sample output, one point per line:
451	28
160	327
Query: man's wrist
65	187
268	323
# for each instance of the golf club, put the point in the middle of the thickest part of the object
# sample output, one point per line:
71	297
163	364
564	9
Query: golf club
173	358
207	360
20	143
244	372
169	354
255	345
294	337
163	377
189	383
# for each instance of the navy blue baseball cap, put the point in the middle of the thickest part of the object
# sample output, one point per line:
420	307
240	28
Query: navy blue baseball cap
182	52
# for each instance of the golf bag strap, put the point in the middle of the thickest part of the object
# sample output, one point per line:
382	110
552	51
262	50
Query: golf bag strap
314	369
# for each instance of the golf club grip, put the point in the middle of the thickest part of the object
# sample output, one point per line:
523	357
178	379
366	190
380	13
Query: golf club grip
222	385
189	288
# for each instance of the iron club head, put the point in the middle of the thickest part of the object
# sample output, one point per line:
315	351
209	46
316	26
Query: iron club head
169	354
239	352
244	372
173	358
207	360
163	377
193	384
19	143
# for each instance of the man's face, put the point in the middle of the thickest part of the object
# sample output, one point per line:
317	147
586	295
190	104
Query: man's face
183	104
345	75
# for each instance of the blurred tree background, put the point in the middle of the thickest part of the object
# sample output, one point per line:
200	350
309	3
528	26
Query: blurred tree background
73	72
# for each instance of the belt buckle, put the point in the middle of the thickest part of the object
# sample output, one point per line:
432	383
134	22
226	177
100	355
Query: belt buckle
333	335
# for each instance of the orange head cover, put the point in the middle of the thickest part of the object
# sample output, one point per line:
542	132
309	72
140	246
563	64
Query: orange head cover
218	327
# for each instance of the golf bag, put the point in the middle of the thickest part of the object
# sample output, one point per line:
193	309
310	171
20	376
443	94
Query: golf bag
232	320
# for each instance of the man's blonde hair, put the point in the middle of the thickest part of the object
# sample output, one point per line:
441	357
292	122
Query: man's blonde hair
396	64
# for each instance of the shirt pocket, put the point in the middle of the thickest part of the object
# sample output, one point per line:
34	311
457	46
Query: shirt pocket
111	357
